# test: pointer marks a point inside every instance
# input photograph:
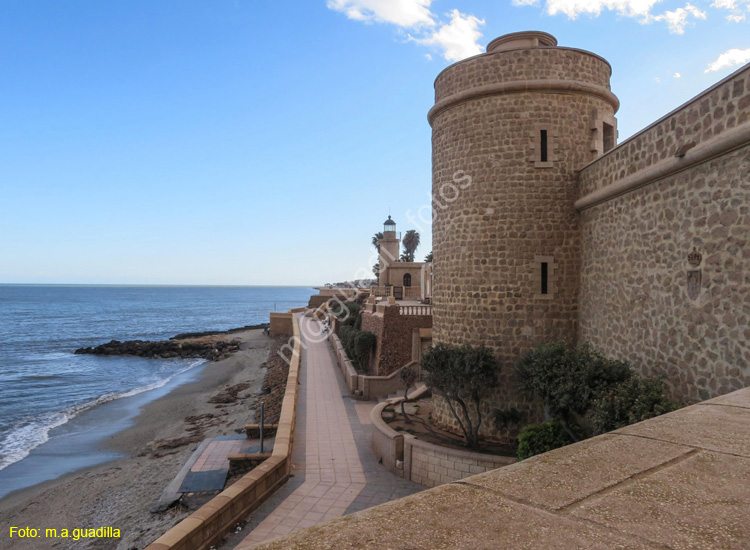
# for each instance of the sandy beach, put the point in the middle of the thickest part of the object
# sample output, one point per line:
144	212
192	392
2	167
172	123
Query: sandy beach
120	493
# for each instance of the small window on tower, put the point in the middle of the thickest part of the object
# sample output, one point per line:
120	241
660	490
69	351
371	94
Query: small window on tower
608	137
543	146
544	277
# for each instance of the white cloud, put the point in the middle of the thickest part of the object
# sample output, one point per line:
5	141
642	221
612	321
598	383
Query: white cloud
428	57
657	80
677	19
677	75
738	8
458	39
641	9
574	8
404	13
730	58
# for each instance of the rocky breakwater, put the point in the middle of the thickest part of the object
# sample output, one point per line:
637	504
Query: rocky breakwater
211	350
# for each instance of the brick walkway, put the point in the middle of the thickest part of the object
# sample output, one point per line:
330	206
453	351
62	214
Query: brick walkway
334	471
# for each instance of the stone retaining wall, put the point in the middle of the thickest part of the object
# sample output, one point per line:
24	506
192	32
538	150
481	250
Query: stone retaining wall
280	323
422	462
394	335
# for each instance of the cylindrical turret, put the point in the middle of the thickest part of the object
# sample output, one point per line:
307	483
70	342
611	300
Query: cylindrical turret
510	129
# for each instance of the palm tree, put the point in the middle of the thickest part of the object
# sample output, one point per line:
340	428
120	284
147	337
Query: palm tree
376	240
411	243
428	258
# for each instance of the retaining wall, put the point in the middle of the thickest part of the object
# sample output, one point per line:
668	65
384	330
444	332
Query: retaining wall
423	462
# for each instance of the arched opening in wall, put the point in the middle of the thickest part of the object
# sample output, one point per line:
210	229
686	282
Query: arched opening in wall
407	280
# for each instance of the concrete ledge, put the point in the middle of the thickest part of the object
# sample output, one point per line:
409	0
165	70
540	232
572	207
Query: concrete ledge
351	377
387	444
376	387
676	481
519	86
207	525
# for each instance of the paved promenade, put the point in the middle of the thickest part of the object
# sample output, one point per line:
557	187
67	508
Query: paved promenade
334	471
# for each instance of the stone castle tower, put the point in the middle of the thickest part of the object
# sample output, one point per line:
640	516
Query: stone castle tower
510	129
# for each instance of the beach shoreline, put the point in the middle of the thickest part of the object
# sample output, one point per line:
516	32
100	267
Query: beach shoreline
120	493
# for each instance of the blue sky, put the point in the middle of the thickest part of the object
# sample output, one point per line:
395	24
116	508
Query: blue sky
249	142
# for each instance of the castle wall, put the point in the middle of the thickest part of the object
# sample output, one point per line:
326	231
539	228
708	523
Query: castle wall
723	107
641	299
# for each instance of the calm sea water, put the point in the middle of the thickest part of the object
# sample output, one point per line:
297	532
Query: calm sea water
43	384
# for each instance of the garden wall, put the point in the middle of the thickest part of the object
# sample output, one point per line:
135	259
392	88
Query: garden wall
422	462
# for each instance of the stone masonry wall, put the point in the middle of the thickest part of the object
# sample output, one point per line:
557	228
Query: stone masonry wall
721	107
635	300
524	64
394	334
432	465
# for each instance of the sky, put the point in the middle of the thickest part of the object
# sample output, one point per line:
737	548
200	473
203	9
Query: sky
247	142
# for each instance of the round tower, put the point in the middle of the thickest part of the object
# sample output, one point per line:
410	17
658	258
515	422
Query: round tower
510	129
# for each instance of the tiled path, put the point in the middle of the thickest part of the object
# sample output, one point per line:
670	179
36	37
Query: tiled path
334	470
214	457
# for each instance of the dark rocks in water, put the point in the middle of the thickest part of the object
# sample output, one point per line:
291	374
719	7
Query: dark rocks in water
212	351
186	335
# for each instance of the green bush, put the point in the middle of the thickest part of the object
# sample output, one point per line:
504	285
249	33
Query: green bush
364	344
462	375
568	380
346	333
347	313
539	438
631	401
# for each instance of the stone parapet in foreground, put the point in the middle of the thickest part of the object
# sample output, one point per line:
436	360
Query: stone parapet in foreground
677	481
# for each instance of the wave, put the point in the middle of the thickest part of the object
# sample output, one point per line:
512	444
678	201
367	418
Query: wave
26	435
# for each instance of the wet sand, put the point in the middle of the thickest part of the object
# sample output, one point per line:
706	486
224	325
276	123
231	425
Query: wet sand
120	493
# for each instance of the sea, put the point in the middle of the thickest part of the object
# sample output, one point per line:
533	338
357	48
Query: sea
44	385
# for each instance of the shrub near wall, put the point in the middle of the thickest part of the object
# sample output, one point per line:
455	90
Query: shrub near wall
359	346
582	384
